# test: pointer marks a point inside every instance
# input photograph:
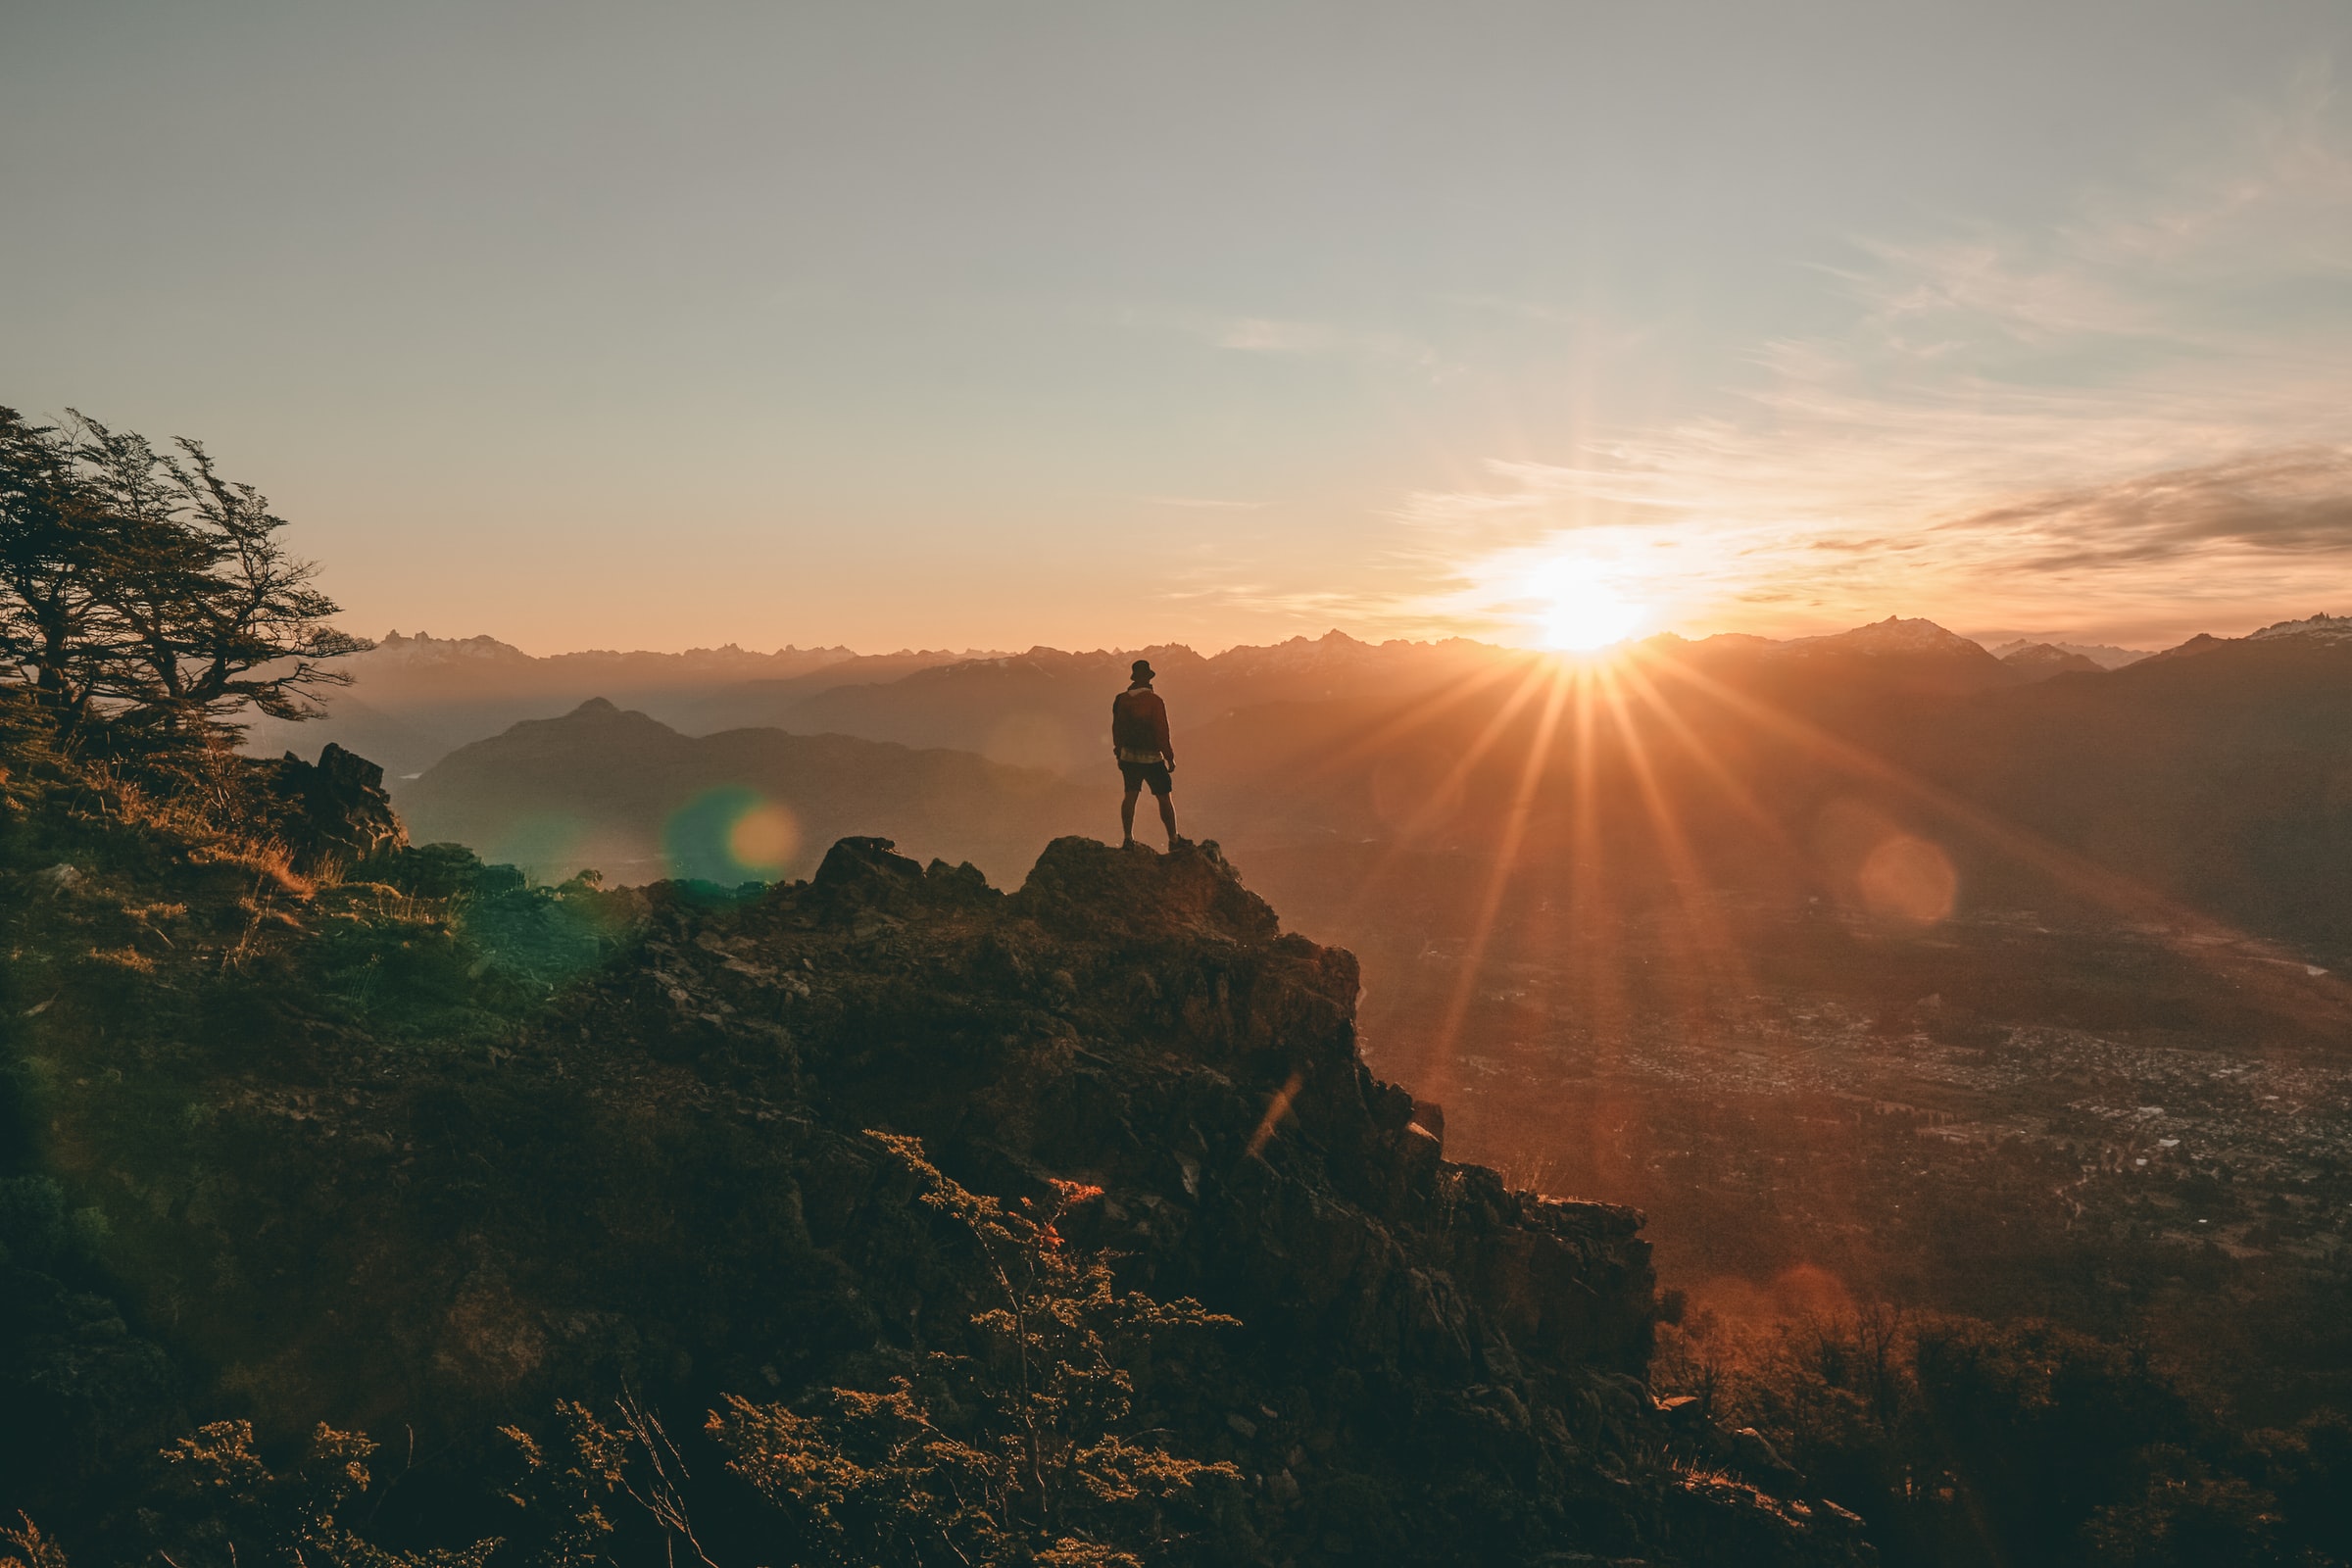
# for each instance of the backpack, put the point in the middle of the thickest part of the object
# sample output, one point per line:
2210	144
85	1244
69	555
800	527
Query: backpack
1131	728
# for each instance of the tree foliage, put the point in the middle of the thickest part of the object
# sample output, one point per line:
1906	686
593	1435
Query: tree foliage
1020	1450
609	1482
1015	1452
27	1548
145	600
1966	1442
239	1513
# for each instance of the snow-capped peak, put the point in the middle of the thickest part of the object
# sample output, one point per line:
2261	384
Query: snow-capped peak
2319	629
425	649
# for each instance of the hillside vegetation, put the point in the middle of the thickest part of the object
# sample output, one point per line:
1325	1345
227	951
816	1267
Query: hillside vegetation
406	1148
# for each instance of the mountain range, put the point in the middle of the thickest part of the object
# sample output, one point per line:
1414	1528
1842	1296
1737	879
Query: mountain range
624	794
2215	780
2211	775
2103	655
415	698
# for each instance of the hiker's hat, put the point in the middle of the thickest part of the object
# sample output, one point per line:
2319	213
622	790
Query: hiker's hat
1141	669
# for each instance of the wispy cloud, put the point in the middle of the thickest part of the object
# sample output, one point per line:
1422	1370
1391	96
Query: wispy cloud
2141	420
2296	502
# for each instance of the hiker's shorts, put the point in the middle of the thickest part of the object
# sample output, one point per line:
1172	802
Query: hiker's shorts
1138	774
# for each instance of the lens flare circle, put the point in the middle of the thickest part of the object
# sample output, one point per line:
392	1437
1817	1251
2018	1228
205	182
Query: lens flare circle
764	839
1907	878
729	835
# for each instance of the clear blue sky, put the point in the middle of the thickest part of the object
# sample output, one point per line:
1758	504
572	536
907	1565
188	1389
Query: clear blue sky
1109	323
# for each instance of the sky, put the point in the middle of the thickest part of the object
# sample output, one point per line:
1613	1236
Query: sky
918	325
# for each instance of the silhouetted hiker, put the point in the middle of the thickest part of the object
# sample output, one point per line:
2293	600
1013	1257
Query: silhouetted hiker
1139	739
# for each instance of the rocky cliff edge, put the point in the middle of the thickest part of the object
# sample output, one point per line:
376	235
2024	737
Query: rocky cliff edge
1431	1367
427	1149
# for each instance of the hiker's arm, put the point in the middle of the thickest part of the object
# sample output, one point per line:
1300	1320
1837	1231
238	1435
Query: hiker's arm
1159	721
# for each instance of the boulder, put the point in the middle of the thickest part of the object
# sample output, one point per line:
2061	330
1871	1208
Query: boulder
335	809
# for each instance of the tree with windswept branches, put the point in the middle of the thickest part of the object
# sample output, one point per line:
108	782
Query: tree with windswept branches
145	600
55	632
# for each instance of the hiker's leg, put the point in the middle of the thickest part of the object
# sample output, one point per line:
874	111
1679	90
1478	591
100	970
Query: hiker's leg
1167	818
1127	815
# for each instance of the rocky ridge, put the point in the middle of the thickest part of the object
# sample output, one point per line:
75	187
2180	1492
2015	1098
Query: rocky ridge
434	1150
334	809
1431	1367
2319	629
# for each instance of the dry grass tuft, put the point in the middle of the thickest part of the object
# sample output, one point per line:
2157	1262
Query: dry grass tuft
273	862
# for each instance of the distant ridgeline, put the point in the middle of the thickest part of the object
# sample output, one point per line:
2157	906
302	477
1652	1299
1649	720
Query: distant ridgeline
1065	1225
2209	778
639	801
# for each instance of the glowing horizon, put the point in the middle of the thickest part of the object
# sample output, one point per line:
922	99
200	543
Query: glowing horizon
835	336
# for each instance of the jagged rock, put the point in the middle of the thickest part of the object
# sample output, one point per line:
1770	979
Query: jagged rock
866	876
1084	890
1139	1022
333	808
659	1179
866	871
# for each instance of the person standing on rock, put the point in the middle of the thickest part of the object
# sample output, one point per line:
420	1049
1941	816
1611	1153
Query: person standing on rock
1139	739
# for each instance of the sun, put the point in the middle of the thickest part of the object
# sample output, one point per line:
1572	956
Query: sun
1579	611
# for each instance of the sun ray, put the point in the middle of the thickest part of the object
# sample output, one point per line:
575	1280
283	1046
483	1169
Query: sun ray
1594	957
1423	712
1439	1072
1710	942
1456	776
1741	798
2188	933
1712	961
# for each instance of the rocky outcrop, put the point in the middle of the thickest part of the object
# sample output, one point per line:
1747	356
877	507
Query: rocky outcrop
420	1174
334	809
1433	1367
